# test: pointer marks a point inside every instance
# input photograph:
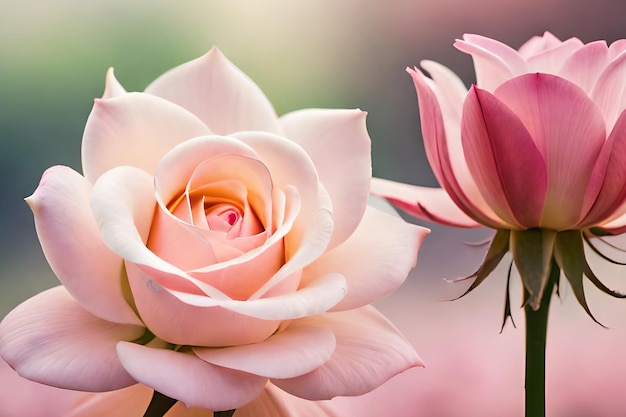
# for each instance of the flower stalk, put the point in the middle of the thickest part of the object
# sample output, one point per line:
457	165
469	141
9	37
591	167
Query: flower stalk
159	405
536	332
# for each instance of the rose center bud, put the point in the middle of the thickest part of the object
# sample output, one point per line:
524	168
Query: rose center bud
222	217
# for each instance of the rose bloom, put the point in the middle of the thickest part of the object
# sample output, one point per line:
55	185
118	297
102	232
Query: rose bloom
211	246
535	149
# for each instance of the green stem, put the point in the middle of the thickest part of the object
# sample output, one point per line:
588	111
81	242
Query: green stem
159	405
228	413
536	332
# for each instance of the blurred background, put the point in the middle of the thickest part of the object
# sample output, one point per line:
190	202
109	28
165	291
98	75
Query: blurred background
327	53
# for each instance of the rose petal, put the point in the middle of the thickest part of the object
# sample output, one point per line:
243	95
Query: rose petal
71	241
187	378
315	298
369	351
112	87
215	90
432	204
130	401
178	322
51	339
134	129
274	402
339	145
289	353
375	260
123	204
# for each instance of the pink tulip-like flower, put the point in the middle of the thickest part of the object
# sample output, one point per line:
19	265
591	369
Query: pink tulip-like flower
536	150
210	247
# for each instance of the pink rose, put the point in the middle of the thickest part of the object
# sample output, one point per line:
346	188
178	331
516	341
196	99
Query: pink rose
211	246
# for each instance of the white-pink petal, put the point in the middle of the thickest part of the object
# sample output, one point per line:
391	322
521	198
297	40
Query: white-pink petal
71	241
187	378
112	87
375	260
179	322
315	298
51	339
339	146
370	350
134	129
219	93
286	354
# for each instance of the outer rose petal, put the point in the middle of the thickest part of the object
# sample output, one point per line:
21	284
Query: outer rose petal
375	260
51	339
71	241
288	353
432	204
21	397
132	401
178	322
218	92
339	145
112	87
370	350
134	129
188	378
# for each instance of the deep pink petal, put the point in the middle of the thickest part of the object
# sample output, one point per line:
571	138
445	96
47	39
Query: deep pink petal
498	148
611	185
370	350
71	241
445	155
494	61
184	376
51	339
134	129
608	92
375	260
584	66
339	145
292	352
178	322
219	93
568	130
432	204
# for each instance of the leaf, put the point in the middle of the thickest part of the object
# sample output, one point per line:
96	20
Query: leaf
532	252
